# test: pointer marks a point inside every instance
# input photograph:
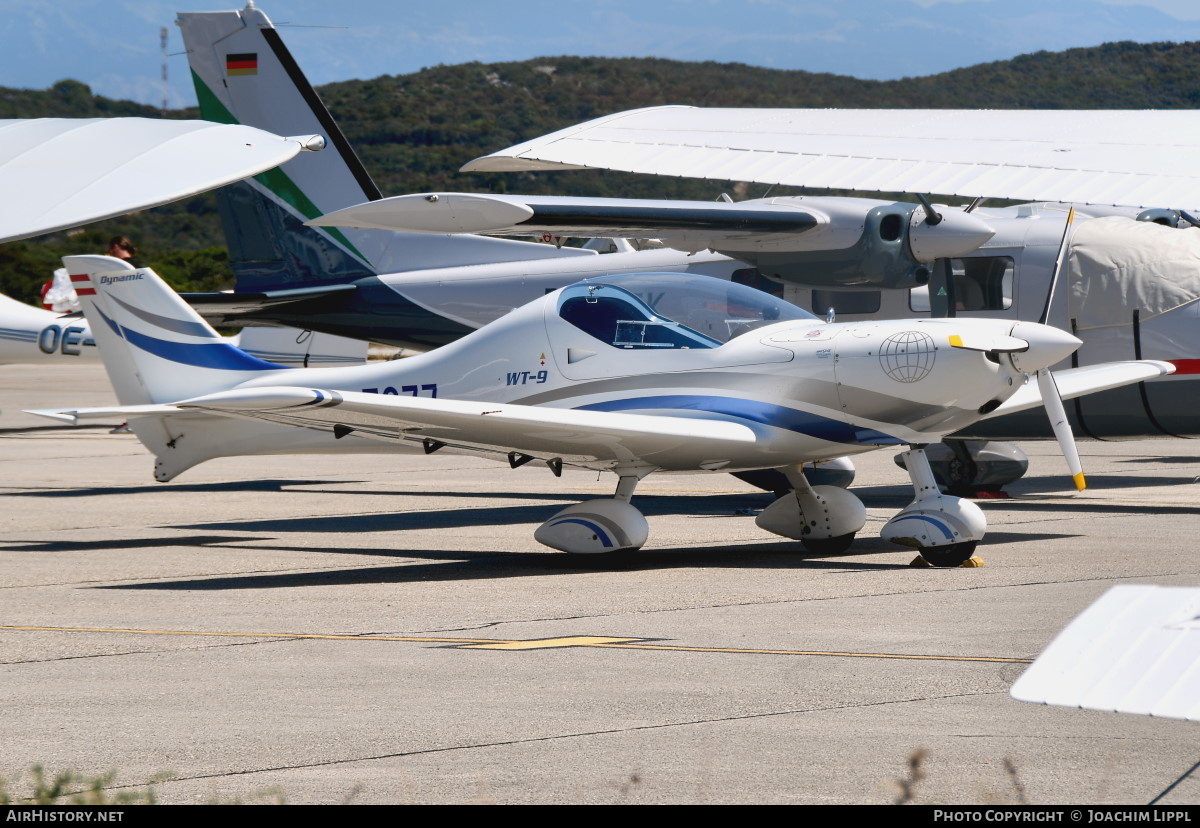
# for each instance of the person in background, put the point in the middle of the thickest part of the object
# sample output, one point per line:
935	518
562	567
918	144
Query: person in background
120	247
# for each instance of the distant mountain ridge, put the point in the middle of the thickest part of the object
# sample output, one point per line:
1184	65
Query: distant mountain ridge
414	131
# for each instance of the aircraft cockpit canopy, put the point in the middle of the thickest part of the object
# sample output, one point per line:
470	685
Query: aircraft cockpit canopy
670	310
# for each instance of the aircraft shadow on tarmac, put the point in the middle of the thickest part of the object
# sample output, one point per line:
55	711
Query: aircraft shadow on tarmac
694	506
124	543
460	565
193	488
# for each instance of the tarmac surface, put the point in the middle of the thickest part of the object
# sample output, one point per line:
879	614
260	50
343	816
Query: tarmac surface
384	629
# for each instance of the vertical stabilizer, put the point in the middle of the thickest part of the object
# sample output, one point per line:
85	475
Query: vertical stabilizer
244	74
155	348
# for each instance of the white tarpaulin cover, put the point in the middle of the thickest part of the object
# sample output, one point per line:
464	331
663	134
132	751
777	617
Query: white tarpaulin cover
57	173
1117	264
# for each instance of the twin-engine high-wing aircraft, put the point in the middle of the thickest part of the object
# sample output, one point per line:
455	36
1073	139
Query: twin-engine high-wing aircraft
631	374
424	290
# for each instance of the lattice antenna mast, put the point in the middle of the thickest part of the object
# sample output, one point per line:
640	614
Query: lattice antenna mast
166	89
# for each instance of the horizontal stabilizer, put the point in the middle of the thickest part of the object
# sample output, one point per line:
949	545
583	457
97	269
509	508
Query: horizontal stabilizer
234	307
1076	382
1135	650
75	415
1144	158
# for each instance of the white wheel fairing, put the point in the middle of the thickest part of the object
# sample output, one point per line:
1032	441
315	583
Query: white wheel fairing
595	527
830	512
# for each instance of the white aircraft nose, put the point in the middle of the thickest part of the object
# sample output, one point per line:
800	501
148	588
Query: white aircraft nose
957	234
1047	346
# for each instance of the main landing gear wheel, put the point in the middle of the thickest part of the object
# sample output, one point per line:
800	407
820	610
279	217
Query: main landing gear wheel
956	554
829	546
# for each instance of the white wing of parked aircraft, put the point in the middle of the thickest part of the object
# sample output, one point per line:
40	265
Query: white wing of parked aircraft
1148	158
57	173
760	225
1135	650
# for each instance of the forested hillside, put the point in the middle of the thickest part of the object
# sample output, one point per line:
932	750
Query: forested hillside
414	131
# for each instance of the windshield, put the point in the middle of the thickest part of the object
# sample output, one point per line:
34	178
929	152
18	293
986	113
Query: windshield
670	310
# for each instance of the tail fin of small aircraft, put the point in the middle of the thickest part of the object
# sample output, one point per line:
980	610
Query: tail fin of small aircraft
155	348
243	73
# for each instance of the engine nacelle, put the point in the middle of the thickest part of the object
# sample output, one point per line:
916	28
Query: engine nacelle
595	527
896	247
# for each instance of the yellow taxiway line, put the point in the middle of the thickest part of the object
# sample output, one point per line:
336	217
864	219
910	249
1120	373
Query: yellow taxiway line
602	642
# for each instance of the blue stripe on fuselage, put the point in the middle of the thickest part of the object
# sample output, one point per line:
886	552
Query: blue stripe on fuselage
222	356
778	416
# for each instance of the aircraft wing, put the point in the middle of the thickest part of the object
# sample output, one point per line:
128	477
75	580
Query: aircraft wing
1076	382
566	435
1143	158
776	225
57	173
718	223
1135	650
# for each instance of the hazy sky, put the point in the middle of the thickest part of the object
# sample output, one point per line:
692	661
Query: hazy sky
114	45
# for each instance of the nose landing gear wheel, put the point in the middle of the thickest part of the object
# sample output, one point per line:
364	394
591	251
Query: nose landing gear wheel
955	554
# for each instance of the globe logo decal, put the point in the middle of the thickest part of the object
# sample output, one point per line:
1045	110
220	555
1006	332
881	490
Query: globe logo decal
907	356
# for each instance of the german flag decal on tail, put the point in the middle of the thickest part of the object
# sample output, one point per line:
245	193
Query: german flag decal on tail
244	64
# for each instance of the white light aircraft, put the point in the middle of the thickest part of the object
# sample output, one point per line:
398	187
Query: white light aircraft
631	374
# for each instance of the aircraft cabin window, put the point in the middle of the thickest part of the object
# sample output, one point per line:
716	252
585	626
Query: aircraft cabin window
978	283
845	301
670	310
627	323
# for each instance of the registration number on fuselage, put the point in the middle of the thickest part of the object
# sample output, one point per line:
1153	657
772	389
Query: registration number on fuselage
427	390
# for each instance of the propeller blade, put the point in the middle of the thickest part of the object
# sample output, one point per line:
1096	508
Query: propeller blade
1062	429
1058	265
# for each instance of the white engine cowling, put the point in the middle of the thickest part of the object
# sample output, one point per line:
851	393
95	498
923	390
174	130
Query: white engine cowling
595	526
831	512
